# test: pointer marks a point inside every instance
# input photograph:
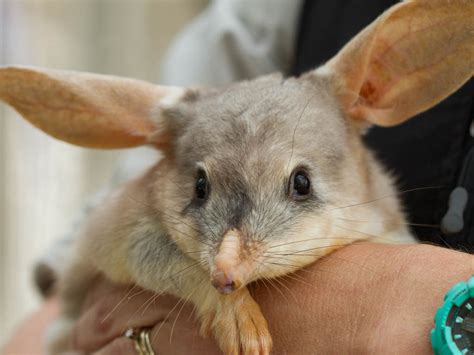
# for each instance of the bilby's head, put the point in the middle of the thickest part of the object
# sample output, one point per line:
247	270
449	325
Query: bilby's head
254	174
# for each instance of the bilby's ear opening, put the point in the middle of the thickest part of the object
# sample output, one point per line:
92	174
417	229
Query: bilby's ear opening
413	56
89	110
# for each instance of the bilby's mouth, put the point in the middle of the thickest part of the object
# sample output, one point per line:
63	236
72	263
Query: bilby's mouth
225	282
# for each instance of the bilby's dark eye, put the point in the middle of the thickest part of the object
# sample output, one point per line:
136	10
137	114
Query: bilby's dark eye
201	188
300	185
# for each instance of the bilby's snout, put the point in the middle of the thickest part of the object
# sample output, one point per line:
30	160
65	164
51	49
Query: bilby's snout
230	270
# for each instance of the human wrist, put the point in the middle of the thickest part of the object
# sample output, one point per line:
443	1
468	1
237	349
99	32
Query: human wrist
418	278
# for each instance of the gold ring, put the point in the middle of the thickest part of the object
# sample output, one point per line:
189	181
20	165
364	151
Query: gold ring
141	340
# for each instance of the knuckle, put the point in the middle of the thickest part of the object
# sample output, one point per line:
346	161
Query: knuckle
104	305
119	346
104	317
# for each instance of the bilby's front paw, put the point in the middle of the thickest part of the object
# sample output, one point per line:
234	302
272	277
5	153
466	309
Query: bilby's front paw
238	325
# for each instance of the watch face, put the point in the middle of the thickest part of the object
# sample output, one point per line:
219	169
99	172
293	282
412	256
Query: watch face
461	321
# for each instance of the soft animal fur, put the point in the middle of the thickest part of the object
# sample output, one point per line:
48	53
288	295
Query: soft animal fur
224	206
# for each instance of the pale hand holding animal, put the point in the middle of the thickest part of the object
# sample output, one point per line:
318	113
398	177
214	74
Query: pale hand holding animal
258	179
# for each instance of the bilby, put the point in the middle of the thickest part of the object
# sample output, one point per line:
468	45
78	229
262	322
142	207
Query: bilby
254	175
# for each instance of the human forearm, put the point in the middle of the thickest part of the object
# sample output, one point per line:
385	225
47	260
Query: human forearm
363	298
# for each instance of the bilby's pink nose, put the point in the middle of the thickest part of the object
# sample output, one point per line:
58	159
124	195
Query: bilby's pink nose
229	270
225	282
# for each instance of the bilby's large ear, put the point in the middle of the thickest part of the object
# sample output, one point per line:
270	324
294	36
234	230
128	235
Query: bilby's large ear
413	56
88	110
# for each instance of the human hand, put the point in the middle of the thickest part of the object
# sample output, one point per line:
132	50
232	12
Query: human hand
111	309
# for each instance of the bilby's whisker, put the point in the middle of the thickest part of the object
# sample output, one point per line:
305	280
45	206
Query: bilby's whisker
387	196
371	236
179	312
302	270
166	318
263	280
299	253
297	278
271	282
176	219
281	283
312	239
391	222
189	268
295	129
123	299
151	301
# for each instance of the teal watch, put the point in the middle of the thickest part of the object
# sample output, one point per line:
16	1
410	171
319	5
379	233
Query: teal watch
454	321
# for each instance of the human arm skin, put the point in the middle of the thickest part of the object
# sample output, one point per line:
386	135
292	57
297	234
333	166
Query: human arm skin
364	298
28	338
378	299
